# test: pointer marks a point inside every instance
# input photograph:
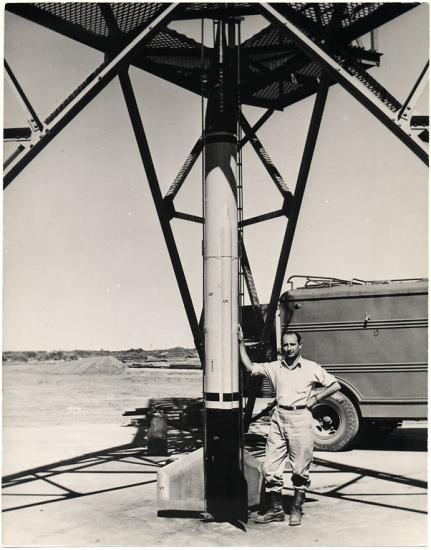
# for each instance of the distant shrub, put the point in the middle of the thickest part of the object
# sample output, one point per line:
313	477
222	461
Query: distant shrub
18	357
55	356
131	354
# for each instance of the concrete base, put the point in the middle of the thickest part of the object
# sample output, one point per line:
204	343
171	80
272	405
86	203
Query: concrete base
180	485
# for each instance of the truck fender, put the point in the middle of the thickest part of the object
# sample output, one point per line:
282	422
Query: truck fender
350	392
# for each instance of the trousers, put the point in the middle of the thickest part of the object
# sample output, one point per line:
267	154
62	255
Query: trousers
291	435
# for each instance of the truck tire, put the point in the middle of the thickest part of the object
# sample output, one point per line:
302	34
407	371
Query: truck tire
336	423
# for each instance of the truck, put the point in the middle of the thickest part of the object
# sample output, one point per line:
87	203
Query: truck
372	336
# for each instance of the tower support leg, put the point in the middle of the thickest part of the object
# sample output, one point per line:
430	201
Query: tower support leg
144	151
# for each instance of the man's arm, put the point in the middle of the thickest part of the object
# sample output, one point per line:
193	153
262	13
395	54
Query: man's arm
323	394
243	352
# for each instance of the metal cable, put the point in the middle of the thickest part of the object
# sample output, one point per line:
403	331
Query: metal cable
203	237
240	235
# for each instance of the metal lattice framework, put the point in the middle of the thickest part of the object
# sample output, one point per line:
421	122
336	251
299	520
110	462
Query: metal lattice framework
274	73
277	69
305	49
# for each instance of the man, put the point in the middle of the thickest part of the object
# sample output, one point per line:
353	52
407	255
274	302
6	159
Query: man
291	432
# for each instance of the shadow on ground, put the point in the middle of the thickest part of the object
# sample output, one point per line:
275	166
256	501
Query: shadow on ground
91	463
43	485
405	439
414	439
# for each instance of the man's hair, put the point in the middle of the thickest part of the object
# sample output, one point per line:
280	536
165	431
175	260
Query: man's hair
289	332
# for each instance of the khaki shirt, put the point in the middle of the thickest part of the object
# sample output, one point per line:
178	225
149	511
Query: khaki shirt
293	385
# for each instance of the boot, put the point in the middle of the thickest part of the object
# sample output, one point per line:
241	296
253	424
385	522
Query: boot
296	509
275	512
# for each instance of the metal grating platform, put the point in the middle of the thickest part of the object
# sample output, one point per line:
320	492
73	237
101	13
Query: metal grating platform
85	15
274	73
135	15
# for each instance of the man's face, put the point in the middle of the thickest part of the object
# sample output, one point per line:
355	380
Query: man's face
290	347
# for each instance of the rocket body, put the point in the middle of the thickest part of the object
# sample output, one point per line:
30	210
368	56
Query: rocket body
225	489
221	278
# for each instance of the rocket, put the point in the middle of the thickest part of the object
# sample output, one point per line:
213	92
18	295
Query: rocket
225	487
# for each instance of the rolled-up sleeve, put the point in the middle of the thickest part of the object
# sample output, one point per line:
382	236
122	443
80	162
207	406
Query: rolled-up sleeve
261	369
323	377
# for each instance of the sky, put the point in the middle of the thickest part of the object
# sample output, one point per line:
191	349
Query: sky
85	265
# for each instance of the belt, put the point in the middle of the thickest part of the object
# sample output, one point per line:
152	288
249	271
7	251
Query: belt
293	408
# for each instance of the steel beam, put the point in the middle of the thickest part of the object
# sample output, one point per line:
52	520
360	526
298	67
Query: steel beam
32	117
301	182
420	122
350	83
248	276
17	134
89	92
263	217
113	28
153	183
111	22
283	73
266	160
256	127
14	155
371	56
185	170
188	217
415	94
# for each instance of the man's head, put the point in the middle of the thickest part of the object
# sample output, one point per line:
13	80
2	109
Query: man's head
291	344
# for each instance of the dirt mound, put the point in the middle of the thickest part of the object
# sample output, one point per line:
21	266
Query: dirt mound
90	365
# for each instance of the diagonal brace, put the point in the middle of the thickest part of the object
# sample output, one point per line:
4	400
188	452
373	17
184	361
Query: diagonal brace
251	287
266	115
32	117
304	169
145	153
418	88
185	170
349	82
88	93
266	160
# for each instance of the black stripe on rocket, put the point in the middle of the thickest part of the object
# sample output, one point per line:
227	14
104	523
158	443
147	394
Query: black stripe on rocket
226	397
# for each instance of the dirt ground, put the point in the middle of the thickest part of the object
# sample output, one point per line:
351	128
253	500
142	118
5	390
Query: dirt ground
86	397
76	473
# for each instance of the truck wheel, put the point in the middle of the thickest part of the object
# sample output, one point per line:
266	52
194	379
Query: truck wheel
336	423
